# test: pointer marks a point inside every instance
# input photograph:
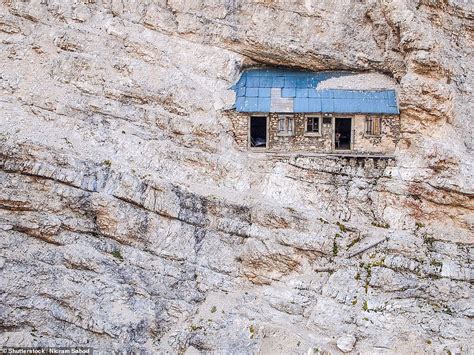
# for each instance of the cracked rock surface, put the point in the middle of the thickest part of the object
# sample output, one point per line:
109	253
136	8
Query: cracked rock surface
130	220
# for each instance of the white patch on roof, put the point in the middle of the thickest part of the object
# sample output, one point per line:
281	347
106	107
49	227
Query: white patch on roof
280	104
369	81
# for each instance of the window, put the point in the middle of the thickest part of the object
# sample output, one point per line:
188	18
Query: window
312	125
373	126
281	124
327	120
285	125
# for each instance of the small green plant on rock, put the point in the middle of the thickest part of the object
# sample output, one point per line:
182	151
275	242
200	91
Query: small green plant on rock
368	269
428	240
195	327
447	310
252	331
419	225
117	254
381	224
352	243
213	309
335	248
379	263
365	306
342	227
107	163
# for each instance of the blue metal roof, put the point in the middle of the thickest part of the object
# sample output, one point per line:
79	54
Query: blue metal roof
279	90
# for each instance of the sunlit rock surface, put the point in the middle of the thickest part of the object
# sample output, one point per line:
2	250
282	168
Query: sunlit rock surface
130	220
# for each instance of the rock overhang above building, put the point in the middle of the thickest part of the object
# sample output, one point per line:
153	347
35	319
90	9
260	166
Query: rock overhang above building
292	91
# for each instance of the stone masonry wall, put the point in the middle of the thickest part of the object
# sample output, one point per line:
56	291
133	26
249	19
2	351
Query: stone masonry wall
385	143
240	128
300	141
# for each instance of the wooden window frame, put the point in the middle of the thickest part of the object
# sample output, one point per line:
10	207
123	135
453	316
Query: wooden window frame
286	125
313	134
369	120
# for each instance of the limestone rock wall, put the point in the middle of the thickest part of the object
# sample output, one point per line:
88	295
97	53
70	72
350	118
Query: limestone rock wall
130	219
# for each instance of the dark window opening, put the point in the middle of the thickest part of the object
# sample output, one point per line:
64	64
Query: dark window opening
342	133
312	124
258	132
327	120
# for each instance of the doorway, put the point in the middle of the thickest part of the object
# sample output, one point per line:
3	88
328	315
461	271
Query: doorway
258	132
342	133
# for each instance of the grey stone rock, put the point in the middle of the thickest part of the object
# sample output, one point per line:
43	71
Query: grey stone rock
131	221
346	343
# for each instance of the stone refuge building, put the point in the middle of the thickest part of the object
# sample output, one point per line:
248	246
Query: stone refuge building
278	110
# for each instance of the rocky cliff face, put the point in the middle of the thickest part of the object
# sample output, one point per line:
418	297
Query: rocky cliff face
130	220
